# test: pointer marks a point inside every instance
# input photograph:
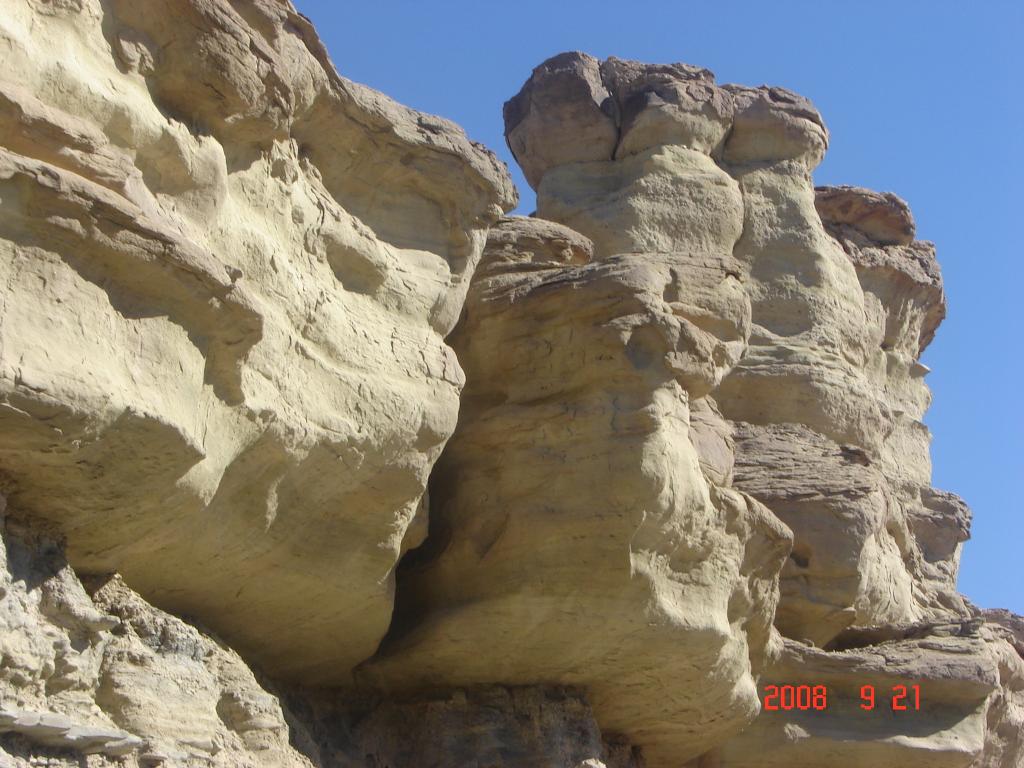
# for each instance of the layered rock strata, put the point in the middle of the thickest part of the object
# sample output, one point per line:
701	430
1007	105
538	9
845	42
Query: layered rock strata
813	406
687	459
934	695
91	672
538	725
573	491
228	274
100	672
828	392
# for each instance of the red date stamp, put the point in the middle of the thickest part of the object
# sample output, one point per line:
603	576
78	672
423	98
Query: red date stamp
900	698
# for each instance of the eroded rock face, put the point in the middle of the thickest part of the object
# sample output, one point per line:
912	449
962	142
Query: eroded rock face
228	273
700	200
689	460
100	672
828	394
574	490
93	675
956	689
903	304
540	725
831	386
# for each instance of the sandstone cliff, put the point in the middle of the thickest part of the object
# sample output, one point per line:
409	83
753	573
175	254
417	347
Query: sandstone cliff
228	273
671	424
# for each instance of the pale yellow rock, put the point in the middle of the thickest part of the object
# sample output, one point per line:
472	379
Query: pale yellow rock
841	309
664	199
836	504
227	276
712	436
572	493
1004	742
691	420
904	304
826	395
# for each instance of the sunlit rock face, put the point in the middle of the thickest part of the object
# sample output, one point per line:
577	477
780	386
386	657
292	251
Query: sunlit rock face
904	303
766	336
819	394
828	394
227	277
575	490
673	444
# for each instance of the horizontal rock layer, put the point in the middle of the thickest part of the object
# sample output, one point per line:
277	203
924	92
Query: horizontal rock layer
942	695
95	673
827	392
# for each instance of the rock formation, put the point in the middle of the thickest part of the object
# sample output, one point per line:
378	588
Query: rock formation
102	673
735	331
685	462
571	493
964	677
228	273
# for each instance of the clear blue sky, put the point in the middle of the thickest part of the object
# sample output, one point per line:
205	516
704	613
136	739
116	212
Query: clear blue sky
922	98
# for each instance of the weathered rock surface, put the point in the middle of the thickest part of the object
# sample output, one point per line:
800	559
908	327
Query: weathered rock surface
95	673
819	417
549	726
829	391
831	385
227	276
101	672
881	217
943	695
686	460
572	493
